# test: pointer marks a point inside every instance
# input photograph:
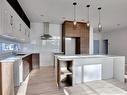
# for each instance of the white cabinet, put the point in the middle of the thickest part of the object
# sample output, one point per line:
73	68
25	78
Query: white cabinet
27	34
23	32
11	25
107	68
8	23
87	69
0	18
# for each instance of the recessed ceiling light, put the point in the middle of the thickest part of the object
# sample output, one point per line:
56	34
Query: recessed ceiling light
41	15
82	20
118	24
63	17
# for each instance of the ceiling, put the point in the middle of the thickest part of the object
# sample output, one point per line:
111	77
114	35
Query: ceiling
113	14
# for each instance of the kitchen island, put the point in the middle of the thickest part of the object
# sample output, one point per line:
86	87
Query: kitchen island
71	70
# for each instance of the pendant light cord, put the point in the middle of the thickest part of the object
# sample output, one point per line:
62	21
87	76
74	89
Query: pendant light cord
74	4
88	6
99	15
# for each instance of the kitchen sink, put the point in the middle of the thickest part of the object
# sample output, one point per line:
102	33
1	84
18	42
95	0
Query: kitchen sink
20	54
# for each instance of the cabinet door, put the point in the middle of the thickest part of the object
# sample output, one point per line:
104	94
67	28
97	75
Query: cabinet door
22	31
18	27
27	34
107	68
0	19
7	79
8	19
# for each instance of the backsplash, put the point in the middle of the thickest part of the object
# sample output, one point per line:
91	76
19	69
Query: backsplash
6	54
8	47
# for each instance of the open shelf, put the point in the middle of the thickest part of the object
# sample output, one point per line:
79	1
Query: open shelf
66	74
67	81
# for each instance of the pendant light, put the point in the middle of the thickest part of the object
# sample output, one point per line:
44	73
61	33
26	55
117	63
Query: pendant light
88	21
99	24
74	22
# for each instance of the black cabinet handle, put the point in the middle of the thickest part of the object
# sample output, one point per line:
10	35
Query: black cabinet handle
11	20
25	32
20	28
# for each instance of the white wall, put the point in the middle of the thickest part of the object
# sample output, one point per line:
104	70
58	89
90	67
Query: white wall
117	42
98	36
45	48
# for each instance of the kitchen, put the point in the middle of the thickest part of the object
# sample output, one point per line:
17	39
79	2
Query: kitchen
30	40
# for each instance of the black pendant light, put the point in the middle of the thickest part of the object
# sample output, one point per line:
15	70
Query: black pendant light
99	24
88	21
74	4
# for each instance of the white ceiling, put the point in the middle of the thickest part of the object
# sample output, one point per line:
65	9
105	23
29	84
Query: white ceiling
113	11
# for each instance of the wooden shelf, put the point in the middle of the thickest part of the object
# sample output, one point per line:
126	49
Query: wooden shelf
65	71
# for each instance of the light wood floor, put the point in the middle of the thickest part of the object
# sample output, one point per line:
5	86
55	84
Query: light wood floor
42	82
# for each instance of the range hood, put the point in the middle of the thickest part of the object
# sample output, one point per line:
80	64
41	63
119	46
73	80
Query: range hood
46	35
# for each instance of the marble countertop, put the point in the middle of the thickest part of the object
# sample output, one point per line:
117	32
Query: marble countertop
14	58
71	57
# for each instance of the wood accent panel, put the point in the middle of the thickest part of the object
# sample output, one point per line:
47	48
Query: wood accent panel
63	38
35	61
58	73
7	79
79	31
71	30
27	66
0	79
84	46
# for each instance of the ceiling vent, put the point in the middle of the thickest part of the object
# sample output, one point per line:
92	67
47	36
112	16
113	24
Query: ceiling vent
46	35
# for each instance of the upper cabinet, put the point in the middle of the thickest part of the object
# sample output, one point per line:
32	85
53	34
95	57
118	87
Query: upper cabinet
18	9
11	24
0	17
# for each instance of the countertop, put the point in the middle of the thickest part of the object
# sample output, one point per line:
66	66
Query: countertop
14	58
71	57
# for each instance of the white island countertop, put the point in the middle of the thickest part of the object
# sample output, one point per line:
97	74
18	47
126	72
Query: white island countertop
71	57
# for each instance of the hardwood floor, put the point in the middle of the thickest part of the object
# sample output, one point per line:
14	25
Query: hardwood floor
42	82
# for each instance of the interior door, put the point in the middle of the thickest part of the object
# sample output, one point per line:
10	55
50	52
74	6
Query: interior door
96	46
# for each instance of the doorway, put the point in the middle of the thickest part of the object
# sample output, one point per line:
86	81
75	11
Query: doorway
96	46
105	46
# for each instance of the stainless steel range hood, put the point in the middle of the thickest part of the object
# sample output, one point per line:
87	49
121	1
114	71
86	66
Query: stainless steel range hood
46	35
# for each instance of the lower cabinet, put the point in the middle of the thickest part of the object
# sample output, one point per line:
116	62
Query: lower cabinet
30	62
27	66
35	61
6	79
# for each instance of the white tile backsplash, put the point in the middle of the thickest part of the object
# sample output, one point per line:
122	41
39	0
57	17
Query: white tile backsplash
44	47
